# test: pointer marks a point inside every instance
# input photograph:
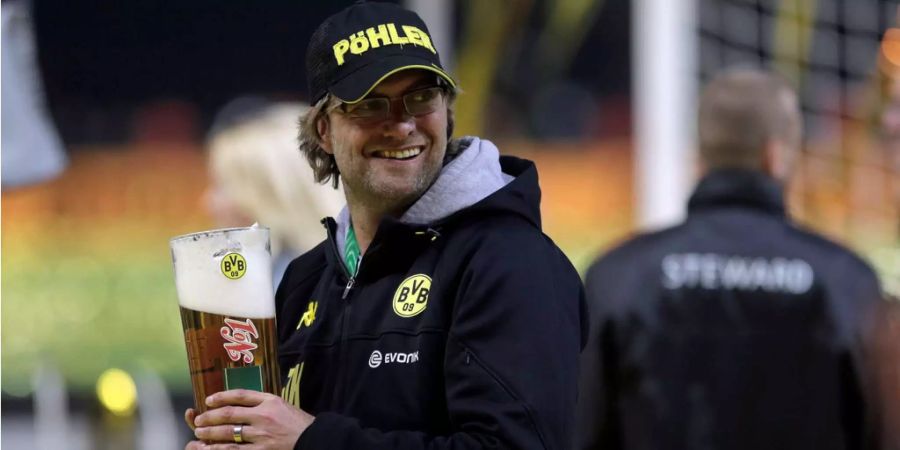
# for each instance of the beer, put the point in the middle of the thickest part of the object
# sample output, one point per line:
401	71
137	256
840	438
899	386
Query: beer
226	299
229	353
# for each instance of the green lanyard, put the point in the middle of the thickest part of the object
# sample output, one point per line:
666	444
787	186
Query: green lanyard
351	251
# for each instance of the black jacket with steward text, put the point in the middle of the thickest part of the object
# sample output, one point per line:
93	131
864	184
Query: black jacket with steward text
734	330
462	333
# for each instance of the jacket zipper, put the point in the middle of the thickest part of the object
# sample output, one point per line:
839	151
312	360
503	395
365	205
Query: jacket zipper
347	289
471	357
346	306
351	280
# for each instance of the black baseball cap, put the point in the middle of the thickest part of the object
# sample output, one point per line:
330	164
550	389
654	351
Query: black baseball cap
355	49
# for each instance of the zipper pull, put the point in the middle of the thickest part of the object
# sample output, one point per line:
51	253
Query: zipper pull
431	232
347	289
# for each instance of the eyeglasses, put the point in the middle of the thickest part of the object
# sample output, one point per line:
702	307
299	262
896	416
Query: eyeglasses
416	103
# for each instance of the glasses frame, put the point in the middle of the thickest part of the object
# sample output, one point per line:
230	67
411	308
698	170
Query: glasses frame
348	108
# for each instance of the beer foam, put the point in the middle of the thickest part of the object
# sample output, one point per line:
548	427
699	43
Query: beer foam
202	283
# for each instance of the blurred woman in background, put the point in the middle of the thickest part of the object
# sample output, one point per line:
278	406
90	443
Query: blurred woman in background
257	174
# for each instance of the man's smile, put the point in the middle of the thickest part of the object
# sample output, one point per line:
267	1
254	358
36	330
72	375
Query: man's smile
399	154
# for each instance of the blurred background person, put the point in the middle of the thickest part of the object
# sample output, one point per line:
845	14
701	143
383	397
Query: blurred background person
891	121
257	174
32	150
735	329
886	370
890	125
887	332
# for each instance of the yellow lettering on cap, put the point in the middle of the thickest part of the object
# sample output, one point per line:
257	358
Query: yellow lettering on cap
376	36
358	43
412	33
418	37
340	49
396	39
427	41
380	35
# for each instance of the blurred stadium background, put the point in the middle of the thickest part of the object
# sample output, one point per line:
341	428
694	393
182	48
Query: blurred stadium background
92	348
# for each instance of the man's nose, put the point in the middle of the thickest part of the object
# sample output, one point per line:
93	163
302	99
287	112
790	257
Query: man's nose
400	123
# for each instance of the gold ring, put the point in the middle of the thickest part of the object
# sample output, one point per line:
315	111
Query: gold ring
237	434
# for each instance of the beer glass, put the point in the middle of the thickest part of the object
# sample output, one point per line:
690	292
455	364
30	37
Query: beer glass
224	284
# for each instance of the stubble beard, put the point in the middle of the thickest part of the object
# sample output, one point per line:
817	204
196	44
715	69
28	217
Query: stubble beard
375	194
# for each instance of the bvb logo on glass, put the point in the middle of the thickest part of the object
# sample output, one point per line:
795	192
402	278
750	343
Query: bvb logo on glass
411	297
234	266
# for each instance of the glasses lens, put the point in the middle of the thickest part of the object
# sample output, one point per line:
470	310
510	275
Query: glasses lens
369	108
423	101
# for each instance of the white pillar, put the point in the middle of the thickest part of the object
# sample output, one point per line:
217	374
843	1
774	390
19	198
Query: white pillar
159	421
32	149
51	409
664	68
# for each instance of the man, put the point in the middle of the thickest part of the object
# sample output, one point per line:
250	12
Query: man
735	329
886	370
887	343
436	314
890	128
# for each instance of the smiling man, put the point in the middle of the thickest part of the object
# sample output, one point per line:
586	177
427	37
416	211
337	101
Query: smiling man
436	314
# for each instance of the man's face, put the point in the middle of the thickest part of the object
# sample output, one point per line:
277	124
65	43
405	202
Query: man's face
390	161
890	121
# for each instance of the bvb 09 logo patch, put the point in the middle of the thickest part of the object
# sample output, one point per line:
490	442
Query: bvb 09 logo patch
411	297
234	266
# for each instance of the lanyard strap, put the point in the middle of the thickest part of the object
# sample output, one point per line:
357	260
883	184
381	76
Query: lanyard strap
351	251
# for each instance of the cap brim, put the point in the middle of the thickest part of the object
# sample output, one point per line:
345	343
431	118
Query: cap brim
357	85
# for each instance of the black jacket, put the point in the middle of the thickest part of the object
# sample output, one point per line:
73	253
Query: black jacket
491	360
733	330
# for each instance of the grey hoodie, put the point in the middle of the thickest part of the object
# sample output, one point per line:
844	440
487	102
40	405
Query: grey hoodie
473	174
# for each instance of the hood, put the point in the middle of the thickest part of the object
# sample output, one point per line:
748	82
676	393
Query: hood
477	181
520	197
468	178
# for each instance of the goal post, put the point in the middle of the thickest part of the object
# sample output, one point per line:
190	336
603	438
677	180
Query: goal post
664	55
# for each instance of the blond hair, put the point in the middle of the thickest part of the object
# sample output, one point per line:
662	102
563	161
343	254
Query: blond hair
740	111
323	165
257	165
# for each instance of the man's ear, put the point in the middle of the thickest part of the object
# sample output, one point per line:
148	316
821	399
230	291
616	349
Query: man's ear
324	129
451	123
775	160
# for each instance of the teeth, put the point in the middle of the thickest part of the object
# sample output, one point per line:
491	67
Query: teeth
399	154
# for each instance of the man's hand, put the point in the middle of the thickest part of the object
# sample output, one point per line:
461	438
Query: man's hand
189	416
268	422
